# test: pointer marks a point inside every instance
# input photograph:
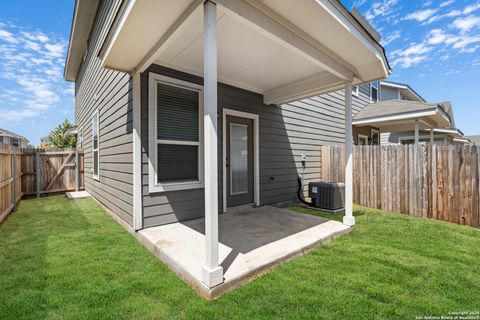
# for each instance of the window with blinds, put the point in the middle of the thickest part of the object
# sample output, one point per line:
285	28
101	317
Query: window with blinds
176	128
95	147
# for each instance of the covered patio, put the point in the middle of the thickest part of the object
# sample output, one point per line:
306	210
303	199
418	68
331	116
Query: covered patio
251	240
284	50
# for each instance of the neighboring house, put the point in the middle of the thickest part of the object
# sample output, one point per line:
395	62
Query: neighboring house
402	116
163	143
474	139
11	138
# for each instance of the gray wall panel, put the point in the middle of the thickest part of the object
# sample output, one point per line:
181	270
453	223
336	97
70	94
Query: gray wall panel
388	94
286	132
109	92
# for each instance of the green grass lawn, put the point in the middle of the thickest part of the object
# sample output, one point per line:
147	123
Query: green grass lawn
64	259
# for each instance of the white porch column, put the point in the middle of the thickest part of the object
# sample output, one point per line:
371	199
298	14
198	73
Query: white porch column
432	139
417	131
348	219
212	273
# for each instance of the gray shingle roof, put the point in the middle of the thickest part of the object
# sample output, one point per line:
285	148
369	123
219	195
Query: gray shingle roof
12	134
393	107
474	139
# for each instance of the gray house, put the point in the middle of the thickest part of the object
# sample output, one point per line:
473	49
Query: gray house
402	116
186	109
13	139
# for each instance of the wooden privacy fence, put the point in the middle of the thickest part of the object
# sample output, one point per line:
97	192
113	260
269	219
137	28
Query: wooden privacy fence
436	182
37	172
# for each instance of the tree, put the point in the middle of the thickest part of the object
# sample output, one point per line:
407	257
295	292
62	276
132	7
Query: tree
57	138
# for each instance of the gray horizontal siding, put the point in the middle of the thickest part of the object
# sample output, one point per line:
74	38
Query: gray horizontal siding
109	92
388	94
286	132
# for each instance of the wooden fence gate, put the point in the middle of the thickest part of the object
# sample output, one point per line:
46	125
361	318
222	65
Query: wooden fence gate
436	182
36	172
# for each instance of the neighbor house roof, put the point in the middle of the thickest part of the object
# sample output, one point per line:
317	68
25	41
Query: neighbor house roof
11	134
393	112
474	139
404	88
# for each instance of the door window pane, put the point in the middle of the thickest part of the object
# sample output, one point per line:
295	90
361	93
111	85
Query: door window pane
238	158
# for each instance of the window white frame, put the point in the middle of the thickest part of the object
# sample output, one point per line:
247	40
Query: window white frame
80	139
378	91
363	137
356	91
256	153
153	184
372	132
96	127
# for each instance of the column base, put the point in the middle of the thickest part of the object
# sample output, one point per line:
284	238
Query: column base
349	221
212	277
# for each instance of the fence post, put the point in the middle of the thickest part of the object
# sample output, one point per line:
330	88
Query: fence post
37	172
14	183
77	170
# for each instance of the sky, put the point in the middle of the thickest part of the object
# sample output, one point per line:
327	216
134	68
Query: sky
434	46
34	98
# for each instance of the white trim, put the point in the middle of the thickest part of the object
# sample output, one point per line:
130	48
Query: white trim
116	30
395	117
462	140
356	92
96	176
362	136
153	185
356	30
256	154
137	154
453	131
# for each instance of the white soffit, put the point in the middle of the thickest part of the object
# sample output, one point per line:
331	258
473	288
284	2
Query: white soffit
263	46
138	35
246	58
335	32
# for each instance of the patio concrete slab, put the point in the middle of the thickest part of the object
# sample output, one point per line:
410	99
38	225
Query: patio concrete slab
252	240
77	195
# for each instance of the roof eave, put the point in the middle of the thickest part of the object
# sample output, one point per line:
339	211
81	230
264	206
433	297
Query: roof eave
83	18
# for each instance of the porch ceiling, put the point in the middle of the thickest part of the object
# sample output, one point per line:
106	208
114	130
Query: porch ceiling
285	50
